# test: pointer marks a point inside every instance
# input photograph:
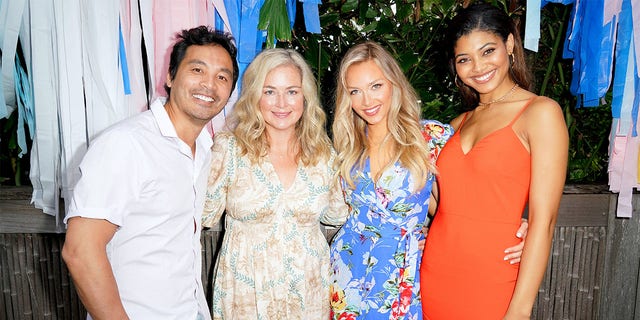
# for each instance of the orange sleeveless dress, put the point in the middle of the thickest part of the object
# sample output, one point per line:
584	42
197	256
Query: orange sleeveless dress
482	197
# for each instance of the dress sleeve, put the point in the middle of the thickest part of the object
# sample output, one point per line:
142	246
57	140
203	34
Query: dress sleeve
222	164
338	210
436	134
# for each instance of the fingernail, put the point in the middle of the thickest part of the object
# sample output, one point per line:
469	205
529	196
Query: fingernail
519	235
505	258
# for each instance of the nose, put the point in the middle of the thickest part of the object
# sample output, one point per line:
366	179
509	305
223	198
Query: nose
478	65
207	83
365	98
280	100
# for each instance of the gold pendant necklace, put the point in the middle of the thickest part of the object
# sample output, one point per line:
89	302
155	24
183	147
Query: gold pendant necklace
487	104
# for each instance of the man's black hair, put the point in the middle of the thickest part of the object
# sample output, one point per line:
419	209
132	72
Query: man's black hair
201	36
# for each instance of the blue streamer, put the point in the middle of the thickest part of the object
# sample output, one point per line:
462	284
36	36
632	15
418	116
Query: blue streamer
233	14
622	59
311	15
291	12
591	47
636	104
249	39
219	23
123	62
565	2
24	99
4	111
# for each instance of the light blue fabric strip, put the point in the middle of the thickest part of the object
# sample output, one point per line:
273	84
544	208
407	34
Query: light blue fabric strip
24	99
124	67
22	141
4	111
11	15
532	26
612	135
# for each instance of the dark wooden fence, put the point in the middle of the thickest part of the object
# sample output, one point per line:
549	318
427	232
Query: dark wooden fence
592	273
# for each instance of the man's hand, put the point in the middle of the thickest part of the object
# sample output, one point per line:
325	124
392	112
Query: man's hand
514	253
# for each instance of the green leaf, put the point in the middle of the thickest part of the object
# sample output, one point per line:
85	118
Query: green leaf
385	26
371	27
275	20
349	6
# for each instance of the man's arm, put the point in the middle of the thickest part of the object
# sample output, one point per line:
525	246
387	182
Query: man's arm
85	254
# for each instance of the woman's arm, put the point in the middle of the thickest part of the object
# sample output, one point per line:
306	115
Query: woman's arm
545	132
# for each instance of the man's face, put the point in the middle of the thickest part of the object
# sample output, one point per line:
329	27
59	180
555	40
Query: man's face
202	84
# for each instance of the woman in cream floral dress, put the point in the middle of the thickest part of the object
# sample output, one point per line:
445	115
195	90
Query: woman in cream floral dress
274	173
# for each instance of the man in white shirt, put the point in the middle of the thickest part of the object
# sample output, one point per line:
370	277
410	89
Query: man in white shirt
133	227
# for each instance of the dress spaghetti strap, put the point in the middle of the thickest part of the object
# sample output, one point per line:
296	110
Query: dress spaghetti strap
517	116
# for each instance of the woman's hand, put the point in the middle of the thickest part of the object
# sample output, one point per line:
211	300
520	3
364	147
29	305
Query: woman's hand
425	230
514	253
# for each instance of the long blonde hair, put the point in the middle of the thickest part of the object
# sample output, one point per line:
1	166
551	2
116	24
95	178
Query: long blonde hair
248	125
349	130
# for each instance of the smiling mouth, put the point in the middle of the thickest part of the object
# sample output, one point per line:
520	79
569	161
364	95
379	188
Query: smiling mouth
281	114
204	98
371	111
485	76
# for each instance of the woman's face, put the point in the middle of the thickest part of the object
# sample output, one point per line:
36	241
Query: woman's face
282	99
370	92
482	60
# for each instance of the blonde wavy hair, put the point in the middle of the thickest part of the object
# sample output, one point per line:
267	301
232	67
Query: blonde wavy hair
349	130
248	125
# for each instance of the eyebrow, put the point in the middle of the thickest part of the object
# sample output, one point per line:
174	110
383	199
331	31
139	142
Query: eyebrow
200	62
289	87
480	49
370	83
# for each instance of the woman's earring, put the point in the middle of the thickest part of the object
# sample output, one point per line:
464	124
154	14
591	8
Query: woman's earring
512	60
455	81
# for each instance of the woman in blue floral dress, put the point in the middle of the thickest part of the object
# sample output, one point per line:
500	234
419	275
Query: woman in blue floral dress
387	160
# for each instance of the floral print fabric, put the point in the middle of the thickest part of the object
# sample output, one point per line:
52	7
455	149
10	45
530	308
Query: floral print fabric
274	260
375	256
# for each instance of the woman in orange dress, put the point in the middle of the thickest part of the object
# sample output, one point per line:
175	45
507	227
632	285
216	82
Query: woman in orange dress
508	151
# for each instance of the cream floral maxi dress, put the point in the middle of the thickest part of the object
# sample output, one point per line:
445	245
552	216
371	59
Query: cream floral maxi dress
274	259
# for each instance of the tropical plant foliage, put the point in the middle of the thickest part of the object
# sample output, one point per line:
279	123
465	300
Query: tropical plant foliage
412	30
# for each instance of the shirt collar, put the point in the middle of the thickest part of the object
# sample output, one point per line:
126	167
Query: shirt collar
166	126
162	118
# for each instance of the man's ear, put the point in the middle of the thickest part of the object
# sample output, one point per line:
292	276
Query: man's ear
168	80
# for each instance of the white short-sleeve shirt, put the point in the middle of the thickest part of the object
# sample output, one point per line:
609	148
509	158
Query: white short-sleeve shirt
140	176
